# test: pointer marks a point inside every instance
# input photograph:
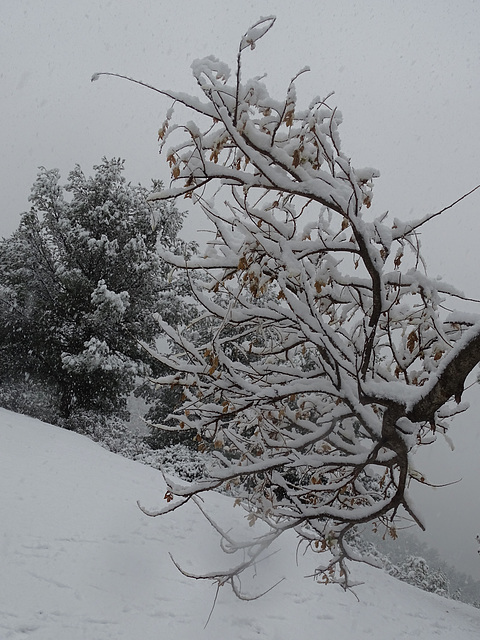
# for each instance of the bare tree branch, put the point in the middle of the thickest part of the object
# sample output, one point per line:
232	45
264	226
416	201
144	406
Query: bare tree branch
323	356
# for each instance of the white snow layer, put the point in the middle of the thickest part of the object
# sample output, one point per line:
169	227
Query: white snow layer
80	561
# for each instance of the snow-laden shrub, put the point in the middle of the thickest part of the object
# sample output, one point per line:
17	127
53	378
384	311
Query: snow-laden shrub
114	434
411	569
177	460
416	571
111	432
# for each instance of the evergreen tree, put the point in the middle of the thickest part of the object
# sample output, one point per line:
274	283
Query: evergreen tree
81	281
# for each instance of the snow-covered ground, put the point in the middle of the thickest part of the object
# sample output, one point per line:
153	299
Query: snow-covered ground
80	561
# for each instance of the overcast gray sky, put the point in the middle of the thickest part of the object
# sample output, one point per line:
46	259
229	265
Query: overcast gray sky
406	76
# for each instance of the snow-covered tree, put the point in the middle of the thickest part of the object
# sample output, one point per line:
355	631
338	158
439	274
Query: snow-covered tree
416	571
82	281
333	357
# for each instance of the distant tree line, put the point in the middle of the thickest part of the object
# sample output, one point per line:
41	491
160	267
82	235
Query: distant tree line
407	558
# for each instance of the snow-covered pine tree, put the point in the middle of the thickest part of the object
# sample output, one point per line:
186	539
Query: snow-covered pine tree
82	281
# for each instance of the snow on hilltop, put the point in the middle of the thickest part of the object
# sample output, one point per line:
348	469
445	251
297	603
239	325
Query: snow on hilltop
80	561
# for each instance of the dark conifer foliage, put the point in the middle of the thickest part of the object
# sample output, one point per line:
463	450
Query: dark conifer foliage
80	283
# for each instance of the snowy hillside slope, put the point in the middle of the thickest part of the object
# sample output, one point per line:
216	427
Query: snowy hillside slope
80	561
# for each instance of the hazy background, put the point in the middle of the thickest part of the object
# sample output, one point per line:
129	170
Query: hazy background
406	76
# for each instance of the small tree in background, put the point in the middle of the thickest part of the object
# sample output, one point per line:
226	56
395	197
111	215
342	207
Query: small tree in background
416	571
332	358
82	281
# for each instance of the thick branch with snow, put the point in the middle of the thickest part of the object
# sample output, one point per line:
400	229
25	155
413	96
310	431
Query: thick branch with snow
323	357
